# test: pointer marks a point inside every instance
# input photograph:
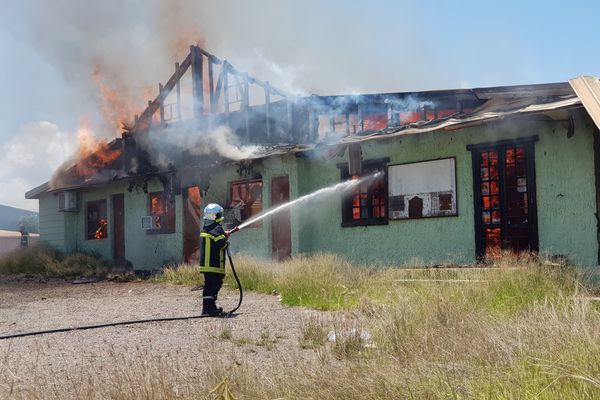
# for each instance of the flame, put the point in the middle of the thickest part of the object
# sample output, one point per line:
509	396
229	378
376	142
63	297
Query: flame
117	105
101	232
93	154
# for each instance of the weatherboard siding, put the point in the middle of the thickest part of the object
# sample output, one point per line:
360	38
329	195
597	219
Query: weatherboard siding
52	222
143	250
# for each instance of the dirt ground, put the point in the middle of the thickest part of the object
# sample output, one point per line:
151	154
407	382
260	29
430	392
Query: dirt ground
264	335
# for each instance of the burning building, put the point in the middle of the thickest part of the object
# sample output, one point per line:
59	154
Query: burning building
465	173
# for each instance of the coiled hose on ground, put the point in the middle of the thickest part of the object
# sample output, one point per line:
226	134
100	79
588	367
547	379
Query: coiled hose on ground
137	321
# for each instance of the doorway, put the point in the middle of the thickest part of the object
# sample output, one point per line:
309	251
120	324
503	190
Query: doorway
191	224
505	198
118	215
280	224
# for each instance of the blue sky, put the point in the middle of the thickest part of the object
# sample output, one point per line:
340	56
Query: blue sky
48	52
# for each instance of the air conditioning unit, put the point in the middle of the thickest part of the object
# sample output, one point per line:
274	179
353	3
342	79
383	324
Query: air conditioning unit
68	201
150	222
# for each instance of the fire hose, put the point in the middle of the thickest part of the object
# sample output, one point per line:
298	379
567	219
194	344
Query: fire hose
143	321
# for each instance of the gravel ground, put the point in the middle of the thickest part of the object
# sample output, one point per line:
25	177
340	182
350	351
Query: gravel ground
264	335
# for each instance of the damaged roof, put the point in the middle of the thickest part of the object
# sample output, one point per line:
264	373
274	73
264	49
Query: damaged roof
485	105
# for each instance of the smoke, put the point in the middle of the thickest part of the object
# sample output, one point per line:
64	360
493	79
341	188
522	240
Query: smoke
166	146
34	150
225	143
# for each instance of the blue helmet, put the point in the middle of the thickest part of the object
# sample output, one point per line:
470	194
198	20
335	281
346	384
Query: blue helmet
213	212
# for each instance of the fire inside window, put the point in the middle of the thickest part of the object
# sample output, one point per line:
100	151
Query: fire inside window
163	207
247	196
96	220
367	202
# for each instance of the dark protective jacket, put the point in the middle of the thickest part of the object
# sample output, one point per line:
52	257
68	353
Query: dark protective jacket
212	248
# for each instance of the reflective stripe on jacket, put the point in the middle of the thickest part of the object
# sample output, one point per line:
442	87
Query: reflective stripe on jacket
212	248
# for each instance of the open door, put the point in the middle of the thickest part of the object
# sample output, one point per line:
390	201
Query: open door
118	215
280	224
191	224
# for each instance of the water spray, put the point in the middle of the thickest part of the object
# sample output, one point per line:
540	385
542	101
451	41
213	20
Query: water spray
338	187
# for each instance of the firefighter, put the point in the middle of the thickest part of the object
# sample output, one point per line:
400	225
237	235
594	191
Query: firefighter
213	243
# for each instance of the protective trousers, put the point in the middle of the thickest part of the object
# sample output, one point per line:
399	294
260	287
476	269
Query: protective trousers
212	285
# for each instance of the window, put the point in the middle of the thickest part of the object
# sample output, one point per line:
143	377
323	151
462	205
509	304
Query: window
366	204
163	207
96	220
423	189
246	196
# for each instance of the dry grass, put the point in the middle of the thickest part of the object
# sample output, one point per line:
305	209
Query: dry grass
523	330
44	261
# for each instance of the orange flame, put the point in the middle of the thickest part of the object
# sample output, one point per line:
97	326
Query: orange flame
101	232
117	107
93	154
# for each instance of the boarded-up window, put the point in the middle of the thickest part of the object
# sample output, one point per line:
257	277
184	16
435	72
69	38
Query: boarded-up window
163	208
423	189
96	220
246	196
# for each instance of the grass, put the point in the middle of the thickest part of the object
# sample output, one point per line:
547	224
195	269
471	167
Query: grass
524	329
44	261
521	328
313	335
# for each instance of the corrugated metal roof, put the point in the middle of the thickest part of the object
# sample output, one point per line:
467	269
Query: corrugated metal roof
588	91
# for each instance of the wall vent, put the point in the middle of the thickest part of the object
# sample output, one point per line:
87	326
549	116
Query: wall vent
68	201
150	222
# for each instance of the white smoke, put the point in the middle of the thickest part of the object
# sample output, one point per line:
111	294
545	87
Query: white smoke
223	142
28	157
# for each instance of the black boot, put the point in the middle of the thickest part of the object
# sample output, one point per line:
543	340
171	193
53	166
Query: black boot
209	307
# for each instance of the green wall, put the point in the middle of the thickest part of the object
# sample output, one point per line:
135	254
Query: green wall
257	240
52	222
565	198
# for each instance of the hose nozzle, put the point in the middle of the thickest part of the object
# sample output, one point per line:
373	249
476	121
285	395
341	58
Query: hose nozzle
229	232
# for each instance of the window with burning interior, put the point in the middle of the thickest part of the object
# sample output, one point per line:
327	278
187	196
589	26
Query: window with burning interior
246	199
162	207
366	204
96	220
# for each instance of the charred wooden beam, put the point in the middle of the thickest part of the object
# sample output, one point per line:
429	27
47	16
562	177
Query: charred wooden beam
197	81
225	73
267	89
144	120
211	87
246	104
178	91
161	102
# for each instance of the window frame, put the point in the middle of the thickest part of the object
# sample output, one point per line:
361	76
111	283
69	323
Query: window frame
168	213
243	215
346	208
89	236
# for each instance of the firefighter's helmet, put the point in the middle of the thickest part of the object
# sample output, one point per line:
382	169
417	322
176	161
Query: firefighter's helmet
213	212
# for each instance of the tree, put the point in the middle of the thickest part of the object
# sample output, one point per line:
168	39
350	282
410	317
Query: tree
30	222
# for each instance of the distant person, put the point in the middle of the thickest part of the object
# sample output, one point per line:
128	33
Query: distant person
24	236
213	243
